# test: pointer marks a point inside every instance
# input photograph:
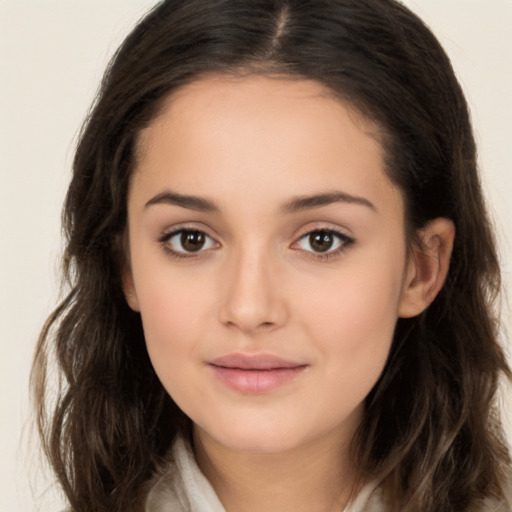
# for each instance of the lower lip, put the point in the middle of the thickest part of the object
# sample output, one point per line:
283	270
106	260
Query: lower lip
256	381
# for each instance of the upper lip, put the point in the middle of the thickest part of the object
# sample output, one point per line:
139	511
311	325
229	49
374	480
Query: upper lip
254	362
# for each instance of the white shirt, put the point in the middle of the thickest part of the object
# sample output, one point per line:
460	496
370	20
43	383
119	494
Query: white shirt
181	487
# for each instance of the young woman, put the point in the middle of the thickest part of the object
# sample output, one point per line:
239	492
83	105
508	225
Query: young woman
281	272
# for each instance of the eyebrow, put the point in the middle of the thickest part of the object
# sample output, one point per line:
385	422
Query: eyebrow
185	201
302	203
296	205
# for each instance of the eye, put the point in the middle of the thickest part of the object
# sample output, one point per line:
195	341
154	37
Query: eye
187	241
323	241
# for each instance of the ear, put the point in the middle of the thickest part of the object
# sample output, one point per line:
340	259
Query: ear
129	289
427	267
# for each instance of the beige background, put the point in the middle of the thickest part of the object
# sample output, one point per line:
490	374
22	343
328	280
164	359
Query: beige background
52	54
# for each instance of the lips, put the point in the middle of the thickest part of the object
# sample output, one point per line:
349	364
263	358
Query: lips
255	374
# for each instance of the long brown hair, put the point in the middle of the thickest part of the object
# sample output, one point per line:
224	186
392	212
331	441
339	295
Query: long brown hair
430	433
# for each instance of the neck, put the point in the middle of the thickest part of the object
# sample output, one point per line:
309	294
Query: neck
316	476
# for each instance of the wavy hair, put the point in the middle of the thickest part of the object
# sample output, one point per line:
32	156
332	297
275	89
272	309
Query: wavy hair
430	432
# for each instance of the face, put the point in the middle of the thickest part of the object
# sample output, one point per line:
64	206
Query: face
267	259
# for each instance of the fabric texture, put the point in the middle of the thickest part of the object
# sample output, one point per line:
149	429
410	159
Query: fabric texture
181	487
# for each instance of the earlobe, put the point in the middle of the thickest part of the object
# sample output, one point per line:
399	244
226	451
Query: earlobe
129	290
427	267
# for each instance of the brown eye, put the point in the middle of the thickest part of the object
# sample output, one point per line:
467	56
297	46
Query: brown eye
321	241
192	241
187	241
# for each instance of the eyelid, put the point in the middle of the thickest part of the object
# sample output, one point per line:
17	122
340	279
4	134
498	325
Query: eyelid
168	230
312	227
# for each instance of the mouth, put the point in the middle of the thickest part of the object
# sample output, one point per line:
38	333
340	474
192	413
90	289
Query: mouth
255	374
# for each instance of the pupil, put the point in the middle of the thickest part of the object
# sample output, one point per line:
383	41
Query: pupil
192	240
321	241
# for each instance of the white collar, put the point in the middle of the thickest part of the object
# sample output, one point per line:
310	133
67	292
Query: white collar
182	487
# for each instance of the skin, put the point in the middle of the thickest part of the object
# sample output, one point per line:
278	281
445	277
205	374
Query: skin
251	147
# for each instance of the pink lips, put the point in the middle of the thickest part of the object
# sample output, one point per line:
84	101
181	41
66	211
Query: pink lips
255	374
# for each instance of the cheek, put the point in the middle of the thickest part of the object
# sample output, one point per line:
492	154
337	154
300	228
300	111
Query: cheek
353	320
173	322
173	316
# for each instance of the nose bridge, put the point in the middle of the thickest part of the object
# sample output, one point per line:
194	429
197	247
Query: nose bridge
251	298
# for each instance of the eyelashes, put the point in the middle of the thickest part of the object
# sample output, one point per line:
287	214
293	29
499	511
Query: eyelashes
323	244
185	243
320	244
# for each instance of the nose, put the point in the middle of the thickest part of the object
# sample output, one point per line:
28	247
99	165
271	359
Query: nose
252	299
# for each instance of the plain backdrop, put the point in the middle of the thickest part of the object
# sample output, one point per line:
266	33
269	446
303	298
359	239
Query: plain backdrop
52	55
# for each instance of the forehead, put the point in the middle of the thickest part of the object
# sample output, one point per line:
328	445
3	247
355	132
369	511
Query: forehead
218	98
260	136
